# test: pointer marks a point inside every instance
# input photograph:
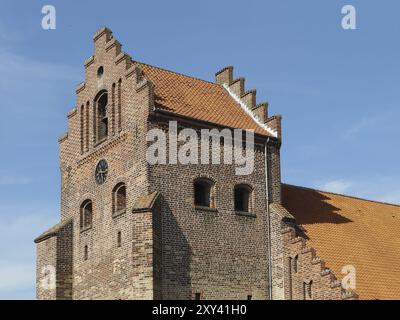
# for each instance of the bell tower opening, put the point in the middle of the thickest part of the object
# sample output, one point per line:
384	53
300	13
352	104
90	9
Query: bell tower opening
102	116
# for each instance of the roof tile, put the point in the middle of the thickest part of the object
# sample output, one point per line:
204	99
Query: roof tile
199	99
351	231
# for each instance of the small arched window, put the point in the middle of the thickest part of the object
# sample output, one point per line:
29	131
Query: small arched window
100	72
204	193
119	105
243	198
86	215
119	198
293	263
307	290
102	116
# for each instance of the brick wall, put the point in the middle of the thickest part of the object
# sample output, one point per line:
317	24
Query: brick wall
171	250
46	260
54	265
110	272
216	253
299	274
176	250
310	279
274	171
64	265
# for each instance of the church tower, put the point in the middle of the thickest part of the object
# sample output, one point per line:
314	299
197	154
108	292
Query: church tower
103	175
133	229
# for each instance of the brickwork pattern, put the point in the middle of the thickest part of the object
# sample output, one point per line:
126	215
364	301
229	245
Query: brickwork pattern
215	252
310	271
172	249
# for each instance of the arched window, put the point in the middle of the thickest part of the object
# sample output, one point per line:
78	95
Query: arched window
86	215
204	193
119	198
102	116
87	126
100	72
113	109
82	128
243	198
307	290
119	105
293	263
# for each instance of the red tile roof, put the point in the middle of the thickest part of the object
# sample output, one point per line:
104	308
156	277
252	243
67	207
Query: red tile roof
350	231
199	99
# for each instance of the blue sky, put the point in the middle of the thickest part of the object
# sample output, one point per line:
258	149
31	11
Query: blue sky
336	89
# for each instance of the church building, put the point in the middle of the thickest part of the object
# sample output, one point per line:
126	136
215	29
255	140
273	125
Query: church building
130	229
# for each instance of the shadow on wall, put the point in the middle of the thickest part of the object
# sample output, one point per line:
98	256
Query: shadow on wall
176	257
310	206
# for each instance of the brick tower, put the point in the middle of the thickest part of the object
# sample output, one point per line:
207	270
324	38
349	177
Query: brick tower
134	230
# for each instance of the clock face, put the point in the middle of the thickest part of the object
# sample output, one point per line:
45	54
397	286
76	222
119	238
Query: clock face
101	171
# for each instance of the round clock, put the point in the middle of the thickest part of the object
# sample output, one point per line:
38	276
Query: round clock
101	171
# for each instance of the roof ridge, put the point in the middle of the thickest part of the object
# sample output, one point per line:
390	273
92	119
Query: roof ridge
178	73
253	122
343	195
246	109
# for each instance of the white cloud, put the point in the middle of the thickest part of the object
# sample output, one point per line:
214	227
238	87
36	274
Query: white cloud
373	187
336	186
17	69
371	123
14	180
14	67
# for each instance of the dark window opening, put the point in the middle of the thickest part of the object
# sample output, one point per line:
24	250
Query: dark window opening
197	296
113	109
307	290
119	198
203	193
293	264
119	105
119	239
86	214
243	198
100	72
87	126
82	128
102	117
249	297
86	253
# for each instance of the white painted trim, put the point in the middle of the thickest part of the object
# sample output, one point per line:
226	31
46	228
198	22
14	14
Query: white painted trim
246	109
